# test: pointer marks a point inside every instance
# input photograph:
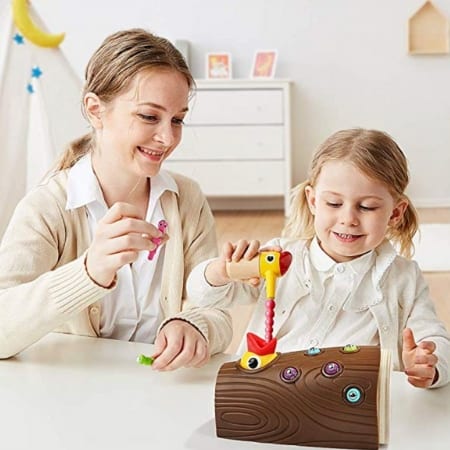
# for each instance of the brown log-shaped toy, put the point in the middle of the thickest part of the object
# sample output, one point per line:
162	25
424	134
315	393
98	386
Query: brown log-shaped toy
318	397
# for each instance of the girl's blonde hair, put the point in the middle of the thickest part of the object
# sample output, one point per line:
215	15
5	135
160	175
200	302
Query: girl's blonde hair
113	67
377	155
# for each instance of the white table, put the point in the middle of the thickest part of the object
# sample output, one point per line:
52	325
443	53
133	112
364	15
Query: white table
76	393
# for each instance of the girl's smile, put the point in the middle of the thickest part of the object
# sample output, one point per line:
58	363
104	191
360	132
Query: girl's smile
346	237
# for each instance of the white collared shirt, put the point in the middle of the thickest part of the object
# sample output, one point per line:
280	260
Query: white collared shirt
132	311
330	314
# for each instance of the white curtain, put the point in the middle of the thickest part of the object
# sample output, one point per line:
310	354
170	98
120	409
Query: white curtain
35	127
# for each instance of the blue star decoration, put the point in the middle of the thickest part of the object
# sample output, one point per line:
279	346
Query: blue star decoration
30	88
18	38
36	72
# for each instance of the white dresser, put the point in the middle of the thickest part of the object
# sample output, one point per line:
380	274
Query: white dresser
236	143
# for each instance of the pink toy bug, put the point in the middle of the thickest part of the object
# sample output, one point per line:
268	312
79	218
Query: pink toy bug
162	226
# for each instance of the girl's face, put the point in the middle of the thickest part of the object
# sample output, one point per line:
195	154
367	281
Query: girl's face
141	127
351	211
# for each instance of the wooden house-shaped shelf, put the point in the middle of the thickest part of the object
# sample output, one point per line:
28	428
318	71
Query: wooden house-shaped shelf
428	31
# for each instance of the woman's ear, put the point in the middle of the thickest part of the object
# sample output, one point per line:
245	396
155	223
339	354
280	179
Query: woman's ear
398	212
93	108
311	198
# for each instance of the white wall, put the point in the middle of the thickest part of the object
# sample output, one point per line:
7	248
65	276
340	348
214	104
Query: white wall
347	58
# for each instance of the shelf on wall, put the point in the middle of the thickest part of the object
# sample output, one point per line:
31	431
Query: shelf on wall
428	31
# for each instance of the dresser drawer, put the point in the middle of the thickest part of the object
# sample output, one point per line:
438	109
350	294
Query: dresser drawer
238	107
236	143
230	142
227	179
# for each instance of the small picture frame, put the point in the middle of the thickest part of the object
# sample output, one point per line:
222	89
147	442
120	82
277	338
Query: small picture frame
218	66
264	64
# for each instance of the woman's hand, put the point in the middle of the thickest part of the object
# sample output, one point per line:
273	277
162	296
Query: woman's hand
119	237
216	272
419	360
179	344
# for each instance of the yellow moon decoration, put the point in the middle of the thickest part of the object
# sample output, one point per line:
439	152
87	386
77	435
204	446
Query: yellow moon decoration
26	26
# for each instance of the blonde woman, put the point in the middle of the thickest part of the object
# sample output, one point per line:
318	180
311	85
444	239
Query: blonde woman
75	255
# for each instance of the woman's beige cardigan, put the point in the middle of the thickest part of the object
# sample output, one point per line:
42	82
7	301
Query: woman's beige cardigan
44	285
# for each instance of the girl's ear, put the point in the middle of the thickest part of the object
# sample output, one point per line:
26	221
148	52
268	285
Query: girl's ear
93	108
311	198
398	212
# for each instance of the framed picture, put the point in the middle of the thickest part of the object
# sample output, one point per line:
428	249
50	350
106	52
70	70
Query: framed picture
264	64
218	66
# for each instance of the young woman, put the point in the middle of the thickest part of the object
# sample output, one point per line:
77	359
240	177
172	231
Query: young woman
75	255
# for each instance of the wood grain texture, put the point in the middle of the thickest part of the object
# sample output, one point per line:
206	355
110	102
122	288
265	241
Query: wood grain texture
312	410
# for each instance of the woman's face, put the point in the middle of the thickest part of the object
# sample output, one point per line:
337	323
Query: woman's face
141	127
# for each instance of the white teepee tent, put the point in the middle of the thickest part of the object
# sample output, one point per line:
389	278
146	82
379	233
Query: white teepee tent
40	110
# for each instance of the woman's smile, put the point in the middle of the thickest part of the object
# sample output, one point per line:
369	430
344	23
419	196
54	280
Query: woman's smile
152	155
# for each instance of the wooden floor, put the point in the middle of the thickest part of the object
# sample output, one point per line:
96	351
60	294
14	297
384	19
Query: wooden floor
264	225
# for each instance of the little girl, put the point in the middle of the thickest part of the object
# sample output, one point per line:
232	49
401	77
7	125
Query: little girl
346	283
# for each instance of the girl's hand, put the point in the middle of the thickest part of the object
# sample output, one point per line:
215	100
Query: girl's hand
419	360
119	237
179	344
216	273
